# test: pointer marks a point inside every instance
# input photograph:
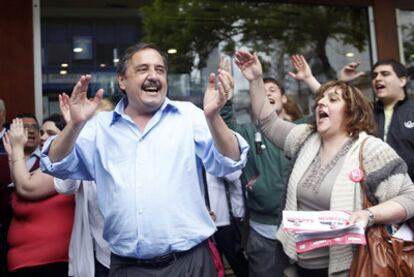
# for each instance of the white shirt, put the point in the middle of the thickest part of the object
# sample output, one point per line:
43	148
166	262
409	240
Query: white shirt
218	200
32	158
148	180
87	232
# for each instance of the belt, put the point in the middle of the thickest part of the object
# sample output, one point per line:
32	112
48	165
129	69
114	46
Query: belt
156	262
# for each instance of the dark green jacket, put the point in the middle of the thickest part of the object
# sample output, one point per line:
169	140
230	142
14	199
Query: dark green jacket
264	199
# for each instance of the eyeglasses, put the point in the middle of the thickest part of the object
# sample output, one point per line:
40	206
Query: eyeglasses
31	126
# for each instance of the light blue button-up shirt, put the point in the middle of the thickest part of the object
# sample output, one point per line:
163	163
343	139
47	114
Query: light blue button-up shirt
148	182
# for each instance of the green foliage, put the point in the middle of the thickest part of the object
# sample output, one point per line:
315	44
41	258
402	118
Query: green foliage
195	27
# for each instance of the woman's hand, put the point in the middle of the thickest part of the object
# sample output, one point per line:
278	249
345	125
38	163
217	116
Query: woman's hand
360	217
303	70
249	65
17	135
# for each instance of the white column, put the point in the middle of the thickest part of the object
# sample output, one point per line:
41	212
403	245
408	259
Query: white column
37	57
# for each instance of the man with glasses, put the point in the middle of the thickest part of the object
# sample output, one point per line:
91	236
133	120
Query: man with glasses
32	147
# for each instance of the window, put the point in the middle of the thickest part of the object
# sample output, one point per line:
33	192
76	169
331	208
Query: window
195	33
406	25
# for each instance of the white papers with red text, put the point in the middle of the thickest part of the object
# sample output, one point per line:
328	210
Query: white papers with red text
319	229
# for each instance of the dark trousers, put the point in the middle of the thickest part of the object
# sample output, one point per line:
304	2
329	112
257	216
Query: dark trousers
100	269
304	272
266	256
4	226
229	246
197	262
47	270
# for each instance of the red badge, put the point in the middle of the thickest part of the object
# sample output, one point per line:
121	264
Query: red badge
356	175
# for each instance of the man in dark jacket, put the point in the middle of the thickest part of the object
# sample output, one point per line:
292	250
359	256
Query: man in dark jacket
394	112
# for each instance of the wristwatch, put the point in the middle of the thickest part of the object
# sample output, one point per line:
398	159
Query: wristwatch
371	217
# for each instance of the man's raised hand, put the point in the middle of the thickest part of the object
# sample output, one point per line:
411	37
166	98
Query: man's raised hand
349	72
215	99
82	108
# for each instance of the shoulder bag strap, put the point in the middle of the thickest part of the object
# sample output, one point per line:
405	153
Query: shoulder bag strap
228	197
206	196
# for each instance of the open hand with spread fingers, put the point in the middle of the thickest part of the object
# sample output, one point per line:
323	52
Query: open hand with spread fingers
303	70
17	135
81	108
249	65
350	72
215	99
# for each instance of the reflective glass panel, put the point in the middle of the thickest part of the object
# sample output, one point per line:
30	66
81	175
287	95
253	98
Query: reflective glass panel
406	19
195	34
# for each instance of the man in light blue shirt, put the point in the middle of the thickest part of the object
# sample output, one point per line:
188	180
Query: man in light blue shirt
145	158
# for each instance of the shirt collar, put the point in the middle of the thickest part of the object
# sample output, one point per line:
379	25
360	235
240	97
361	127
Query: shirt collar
119	110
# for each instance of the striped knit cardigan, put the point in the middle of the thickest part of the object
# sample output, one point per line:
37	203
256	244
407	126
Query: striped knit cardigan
386	174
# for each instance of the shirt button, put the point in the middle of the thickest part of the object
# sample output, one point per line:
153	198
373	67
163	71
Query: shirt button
140	211
139	186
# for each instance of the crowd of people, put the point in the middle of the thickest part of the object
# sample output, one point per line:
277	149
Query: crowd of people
152	186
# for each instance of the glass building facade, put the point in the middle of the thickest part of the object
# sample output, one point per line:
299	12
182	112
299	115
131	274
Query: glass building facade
79	37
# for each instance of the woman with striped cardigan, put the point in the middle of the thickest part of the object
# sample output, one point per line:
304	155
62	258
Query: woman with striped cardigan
324	154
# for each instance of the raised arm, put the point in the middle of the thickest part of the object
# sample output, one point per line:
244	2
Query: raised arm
273	127
214	100
251	68
303	72
81	110
227	111
29	185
